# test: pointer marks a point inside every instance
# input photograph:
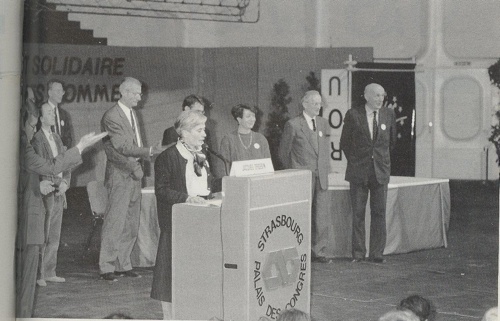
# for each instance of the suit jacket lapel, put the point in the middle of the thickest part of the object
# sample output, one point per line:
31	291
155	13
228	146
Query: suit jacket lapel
59	143
46	145
127	123
309	134
364	121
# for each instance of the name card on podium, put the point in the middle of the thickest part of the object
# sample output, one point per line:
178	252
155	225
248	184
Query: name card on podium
251	167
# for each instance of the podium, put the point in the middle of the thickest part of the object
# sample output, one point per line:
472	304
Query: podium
250	257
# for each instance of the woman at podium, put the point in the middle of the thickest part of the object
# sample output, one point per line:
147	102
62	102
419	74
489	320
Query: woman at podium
244	143
181	175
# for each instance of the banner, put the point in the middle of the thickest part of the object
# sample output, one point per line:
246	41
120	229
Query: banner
335	93
398	81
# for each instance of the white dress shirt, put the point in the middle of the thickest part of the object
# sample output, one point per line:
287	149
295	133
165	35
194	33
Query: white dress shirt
369	118
127	110
53	145
309	121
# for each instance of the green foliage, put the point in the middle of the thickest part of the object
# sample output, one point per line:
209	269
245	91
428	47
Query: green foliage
494	72
277	119
314	83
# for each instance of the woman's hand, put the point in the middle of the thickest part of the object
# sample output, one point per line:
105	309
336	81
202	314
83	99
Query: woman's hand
195	200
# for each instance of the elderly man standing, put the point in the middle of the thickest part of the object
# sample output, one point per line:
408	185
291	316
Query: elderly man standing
367	139
304	145
122	146
48	145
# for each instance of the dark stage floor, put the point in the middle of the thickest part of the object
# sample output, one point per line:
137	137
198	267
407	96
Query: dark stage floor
461	280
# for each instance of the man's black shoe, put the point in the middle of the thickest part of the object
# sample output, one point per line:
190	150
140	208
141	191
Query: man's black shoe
376	260
356	260
128	274
108	277
321	259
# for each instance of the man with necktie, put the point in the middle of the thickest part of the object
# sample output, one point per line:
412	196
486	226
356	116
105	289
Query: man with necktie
124	151
305	145
30	236
62	125
49	145
367	138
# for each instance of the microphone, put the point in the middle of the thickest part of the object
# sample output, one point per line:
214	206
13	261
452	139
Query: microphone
211	151
219	156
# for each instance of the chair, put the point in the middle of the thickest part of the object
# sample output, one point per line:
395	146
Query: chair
98	199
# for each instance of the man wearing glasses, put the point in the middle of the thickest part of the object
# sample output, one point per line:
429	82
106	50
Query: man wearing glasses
124	151
305	145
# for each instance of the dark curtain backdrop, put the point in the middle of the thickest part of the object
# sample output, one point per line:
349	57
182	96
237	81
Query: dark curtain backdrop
400	89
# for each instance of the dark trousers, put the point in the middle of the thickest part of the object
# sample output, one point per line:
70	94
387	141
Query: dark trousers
321	220
378	200
27	265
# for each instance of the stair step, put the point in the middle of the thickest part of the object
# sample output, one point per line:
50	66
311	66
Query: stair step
44	24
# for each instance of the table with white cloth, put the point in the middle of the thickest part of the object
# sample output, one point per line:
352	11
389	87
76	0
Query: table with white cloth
417	218
144	251
417	215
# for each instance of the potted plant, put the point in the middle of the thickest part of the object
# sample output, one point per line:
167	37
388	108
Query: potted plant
494	72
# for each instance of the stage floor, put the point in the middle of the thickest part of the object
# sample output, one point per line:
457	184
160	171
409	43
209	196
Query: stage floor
461	280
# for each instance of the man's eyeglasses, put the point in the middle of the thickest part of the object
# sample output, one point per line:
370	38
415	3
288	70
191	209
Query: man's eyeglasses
140	94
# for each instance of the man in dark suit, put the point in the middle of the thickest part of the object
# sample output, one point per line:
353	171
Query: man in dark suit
368	136
48	145
304	145
31	211
191	102
123	180
62	126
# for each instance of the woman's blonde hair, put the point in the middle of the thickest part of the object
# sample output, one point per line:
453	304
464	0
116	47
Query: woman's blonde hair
188	120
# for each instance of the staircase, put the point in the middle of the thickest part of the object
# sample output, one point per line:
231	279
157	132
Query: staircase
44	24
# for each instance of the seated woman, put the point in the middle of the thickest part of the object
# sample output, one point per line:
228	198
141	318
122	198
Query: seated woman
181	175
244	143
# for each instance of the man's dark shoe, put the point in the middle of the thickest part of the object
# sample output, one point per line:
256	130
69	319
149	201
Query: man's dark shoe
128	274
357	259
108	277
321	259
376	260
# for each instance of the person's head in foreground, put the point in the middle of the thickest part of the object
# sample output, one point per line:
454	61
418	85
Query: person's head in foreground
399	315
491	315
419	305
293	315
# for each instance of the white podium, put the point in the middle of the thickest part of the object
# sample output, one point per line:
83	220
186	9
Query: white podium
249	258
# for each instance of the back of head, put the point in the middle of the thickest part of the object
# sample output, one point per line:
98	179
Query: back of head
399	315
119	316
191	100
491	315
419	305
309	94
293	315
